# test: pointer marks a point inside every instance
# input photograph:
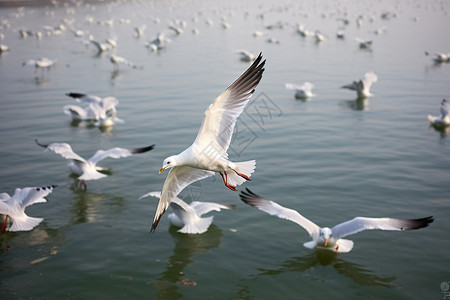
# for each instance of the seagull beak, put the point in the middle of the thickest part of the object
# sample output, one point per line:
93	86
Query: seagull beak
326	242
162	169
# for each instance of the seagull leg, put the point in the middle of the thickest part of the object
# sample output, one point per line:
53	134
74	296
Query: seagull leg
82	185
4	223
225	180
242	175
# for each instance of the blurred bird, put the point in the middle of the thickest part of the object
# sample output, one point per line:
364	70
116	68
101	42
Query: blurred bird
188	216
301	91
116	60
362	87
246	55
87	169
444	119
14	207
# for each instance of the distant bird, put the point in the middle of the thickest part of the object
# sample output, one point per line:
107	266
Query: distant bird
208	153
246	55
319	36
258	33
188	216
331	238
105	46
3	48
272	41
303	31
340	34
100	110
116	60
87	168
301	91
176	30
440	57
444	119
364	44
139	31
362	87
158	43
14	207
41	63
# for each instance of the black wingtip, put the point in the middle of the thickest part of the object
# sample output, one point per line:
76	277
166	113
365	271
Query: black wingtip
75	95
156	222
39	144
144	149
421	223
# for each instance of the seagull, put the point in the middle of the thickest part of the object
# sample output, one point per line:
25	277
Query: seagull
444	119
208	153
105	46
246	55
188	216
440	57
40	63
364	44
331	238
139	31
3	48
158	43
87	169
101	110
176	30
14	207
116	60
362	87
301	91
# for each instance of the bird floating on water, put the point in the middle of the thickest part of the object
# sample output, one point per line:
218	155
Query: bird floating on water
87	169
14	207
331	238
189	216
362	87
208	153
301	91
246	56
444	119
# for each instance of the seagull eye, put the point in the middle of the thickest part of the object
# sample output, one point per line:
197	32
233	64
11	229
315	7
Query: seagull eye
168	162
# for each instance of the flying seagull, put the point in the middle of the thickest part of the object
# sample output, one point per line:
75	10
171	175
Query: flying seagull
14	207
331	238
189	216
208	153
303	91
87	168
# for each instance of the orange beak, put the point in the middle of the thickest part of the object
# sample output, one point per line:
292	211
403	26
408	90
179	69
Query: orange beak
162	169
326	242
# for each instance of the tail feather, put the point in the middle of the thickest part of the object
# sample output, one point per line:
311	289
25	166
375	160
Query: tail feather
200	226
24	224
245	167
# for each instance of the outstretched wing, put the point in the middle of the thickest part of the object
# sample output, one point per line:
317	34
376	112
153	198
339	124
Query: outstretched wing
275	209
445	108
62	149
117	153
220	117
360	223
177	179
31	195
202	208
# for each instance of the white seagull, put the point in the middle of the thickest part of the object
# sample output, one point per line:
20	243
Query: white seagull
208	153
363	44
301	91
444	119
40	63
362	87
100	110
189	216
87	168
14	207
331	238
116	60
246	55
440	57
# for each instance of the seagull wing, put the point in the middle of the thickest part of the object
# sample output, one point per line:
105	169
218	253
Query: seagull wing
202	208
291	86
62	149
369	79
80	97
31	195
117	153
360	223
4	196
178	205
220	117
76	112
275	209
177	179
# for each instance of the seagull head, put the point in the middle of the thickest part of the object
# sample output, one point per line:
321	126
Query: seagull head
169	162
325	235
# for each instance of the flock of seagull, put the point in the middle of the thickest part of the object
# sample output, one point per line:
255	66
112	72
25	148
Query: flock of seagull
206	156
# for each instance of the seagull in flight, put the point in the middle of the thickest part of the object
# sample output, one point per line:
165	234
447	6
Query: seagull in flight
301	91
208	153
116	60
14	207
331	238
189	216
362	87
444	119
246	55
87	169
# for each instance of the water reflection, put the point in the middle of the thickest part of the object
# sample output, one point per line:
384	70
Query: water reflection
444	132
187	246
357	104
357	273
